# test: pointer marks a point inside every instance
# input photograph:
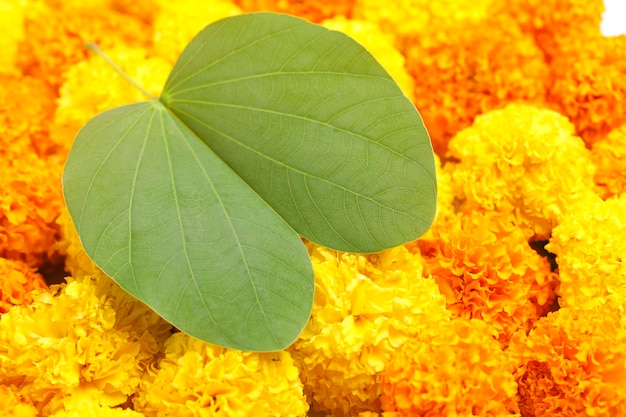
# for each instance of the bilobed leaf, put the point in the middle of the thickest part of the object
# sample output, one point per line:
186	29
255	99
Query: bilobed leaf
174	226
268	126
314	124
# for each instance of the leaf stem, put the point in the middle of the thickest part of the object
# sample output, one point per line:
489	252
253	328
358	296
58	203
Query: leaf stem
95	48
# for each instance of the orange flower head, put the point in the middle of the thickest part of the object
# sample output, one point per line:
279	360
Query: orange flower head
17	281
573	364
312	10
455	368
609	157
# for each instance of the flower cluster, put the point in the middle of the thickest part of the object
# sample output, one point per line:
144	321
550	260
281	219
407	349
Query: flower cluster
512	304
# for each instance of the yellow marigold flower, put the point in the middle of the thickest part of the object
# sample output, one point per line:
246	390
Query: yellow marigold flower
312	10
410	18
12	405
485	268
12	22
179	22
471	69
365	307
589	85
590	248
609	157
379	44
54	39
196	378
87	341
82	95
524	160
573	364
26	108
17	280
452	369
30	201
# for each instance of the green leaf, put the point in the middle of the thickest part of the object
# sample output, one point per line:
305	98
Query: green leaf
268	126
160	213
314	124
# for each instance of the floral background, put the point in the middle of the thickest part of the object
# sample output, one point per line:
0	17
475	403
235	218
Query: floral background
512	304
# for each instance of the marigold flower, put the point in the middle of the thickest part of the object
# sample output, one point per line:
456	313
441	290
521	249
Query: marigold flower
197	378
13	405
573	364
554	23
30	201
379	44
179	22
90	409
524	160
87	341
26	108
609	157
471	69
454	368
485	268
12	22
312	10
17	280
54	39
590	245
589	85
365	307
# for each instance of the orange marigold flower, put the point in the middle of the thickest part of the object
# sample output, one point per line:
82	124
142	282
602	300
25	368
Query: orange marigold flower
365	307
452	369
485	268
84	342
573	364
609	157
590	248
196	378
553	23
379	44
54	39
312	10
589	85
27	105
17	280
30	201
471	69
524	160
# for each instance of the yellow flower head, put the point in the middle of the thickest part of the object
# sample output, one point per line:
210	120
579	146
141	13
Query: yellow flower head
573	364
379	44
365	307
453	369
196	378
17	280
12	22
13	405
178	22
485	267
590	248
87	341
523	160
609	157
